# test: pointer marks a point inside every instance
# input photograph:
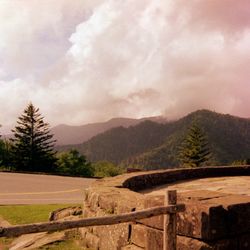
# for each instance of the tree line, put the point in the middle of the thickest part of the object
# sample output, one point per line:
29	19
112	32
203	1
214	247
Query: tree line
32	149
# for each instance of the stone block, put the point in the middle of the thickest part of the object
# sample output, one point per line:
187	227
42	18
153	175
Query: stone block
83	231
113	237
139	235
212	218
156	221
146	237
154	239
93	199
85	194
92	241
186	243
88	213
108	202
62	213
244	242
36	240
132	247
239	216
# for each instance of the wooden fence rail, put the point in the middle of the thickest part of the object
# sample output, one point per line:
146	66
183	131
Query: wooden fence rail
169	211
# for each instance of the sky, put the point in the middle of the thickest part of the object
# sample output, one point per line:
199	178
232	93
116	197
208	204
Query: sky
86	61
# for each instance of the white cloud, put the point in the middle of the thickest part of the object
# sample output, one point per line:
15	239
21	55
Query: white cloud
93	60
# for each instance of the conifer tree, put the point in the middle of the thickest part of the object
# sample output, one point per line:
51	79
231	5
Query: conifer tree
33	146
194	151
1	149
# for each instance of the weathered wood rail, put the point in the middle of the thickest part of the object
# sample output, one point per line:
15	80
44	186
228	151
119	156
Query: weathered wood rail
169	211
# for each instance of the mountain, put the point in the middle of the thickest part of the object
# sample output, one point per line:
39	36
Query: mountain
154	145
65	134
228	137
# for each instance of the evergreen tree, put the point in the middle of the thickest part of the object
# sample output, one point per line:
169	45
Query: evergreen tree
5	154
1	149
33	146
194	151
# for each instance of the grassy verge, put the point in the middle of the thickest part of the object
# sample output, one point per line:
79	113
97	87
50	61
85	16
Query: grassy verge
70	244
64	245
25	214
4	243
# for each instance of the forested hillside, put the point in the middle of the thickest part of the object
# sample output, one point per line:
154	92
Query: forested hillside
119	143
153	145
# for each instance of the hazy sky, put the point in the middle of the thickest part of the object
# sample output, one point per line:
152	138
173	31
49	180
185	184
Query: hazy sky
83	61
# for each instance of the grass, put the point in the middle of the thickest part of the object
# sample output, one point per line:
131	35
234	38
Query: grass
63	245
70	244
4	243
25	214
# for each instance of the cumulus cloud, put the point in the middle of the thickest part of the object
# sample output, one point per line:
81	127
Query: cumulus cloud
85	61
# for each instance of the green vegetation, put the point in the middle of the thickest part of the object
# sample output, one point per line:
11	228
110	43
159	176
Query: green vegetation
25	214
63	245
241	162
194	151
147	145
5	154
152	145
106	169
74	164
32	150
121	143
33	146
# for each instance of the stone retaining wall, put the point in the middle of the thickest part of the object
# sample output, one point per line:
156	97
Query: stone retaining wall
212	220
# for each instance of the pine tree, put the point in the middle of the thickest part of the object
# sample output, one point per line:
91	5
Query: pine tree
194	151
1	149
5	154
33	146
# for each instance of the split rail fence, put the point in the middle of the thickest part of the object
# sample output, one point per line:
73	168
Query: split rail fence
169	211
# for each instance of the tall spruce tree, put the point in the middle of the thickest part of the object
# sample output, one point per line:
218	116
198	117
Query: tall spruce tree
33	146
1	149
194	151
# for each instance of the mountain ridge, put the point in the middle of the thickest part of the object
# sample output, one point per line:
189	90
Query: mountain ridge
70	134
153	145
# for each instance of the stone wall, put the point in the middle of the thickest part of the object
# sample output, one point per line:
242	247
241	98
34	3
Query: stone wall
212	220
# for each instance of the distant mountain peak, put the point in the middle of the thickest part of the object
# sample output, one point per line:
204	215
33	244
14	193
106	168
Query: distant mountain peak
69	134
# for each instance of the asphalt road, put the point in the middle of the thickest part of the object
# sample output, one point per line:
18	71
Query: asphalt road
41	189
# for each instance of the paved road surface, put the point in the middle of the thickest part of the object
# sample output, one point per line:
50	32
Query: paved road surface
41	189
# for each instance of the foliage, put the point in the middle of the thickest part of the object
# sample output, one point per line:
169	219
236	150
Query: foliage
5	154
241	162
153	145
120	143
73	163
194	151
33	146
106	169
25	214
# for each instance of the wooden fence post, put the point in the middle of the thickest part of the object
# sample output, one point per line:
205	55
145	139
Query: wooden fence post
169	233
